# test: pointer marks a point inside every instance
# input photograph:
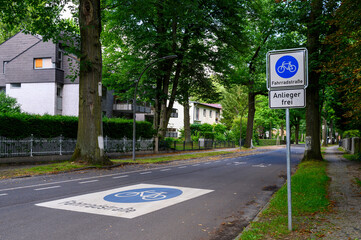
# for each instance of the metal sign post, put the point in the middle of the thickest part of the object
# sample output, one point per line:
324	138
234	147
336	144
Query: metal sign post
288	154
287	80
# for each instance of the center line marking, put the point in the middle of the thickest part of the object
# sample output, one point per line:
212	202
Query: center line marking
90	181
237	163
3	194
195	165
120	176
145	173
182	167
167	169
208	163
45	188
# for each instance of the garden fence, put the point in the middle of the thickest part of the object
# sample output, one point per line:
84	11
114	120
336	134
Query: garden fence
32	146
60	146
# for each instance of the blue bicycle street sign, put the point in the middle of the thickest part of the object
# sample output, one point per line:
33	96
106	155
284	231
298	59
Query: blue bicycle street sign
286	66
143	195
287	69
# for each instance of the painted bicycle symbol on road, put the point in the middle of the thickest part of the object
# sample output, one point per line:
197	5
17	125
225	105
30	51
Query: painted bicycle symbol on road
286	66
143	195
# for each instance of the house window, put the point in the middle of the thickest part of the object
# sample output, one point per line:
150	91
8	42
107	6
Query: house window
204	112
15	85
4	65
210	113
174	113
40	63
171	132
197	113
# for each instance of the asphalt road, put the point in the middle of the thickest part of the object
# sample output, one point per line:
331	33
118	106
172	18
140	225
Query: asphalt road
218	198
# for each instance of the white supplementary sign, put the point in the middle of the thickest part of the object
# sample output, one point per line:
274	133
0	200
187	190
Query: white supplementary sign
287	68
127	202
294	98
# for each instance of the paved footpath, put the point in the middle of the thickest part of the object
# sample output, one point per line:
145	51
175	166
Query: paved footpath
344	221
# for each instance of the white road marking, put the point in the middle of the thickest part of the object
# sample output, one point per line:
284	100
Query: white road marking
238	163
167	169
182	167
109	202
3	194
46	188
145	173
207	163
90	181
195	165
229	163
123	176
259	165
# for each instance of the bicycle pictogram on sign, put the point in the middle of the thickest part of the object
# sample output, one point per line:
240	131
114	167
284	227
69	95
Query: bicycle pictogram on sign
286	66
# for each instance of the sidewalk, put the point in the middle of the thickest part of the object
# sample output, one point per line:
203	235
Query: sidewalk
344	220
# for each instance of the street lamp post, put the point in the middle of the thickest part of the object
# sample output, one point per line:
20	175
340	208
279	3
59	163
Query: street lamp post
135	96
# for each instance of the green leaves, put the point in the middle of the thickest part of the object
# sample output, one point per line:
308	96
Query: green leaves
8	104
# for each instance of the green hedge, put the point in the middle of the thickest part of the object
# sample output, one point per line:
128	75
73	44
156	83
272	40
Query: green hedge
269	142
23	125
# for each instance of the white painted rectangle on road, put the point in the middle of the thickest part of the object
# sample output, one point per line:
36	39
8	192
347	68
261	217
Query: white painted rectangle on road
127	202
290	98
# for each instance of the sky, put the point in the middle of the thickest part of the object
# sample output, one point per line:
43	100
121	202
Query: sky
66	11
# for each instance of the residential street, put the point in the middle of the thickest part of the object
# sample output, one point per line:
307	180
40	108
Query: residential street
208	199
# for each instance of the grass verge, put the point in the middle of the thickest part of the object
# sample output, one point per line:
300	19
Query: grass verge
42	169
309	196
172	158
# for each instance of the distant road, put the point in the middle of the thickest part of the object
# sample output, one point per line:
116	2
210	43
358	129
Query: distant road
187	200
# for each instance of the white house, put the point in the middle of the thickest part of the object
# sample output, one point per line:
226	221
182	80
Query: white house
199	113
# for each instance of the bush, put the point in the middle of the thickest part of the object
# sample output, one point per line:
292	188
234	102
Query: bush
351	133
206	127
269	142
208	135
195	128
23	125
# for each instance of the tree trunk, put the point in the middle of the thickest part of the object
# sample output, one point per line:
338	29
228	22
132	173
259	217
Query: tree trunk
90	144
330	131
282	132
187	125
270	131
324	132
251	112
313	120
297	130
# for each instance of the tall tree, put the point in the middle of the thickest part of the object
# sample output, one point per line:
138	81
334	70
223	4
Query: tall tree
249	70
90	143
141	31
313	116
344	43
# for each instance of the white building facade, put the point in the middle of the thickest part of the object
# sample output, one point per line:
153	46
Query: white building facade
198	112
